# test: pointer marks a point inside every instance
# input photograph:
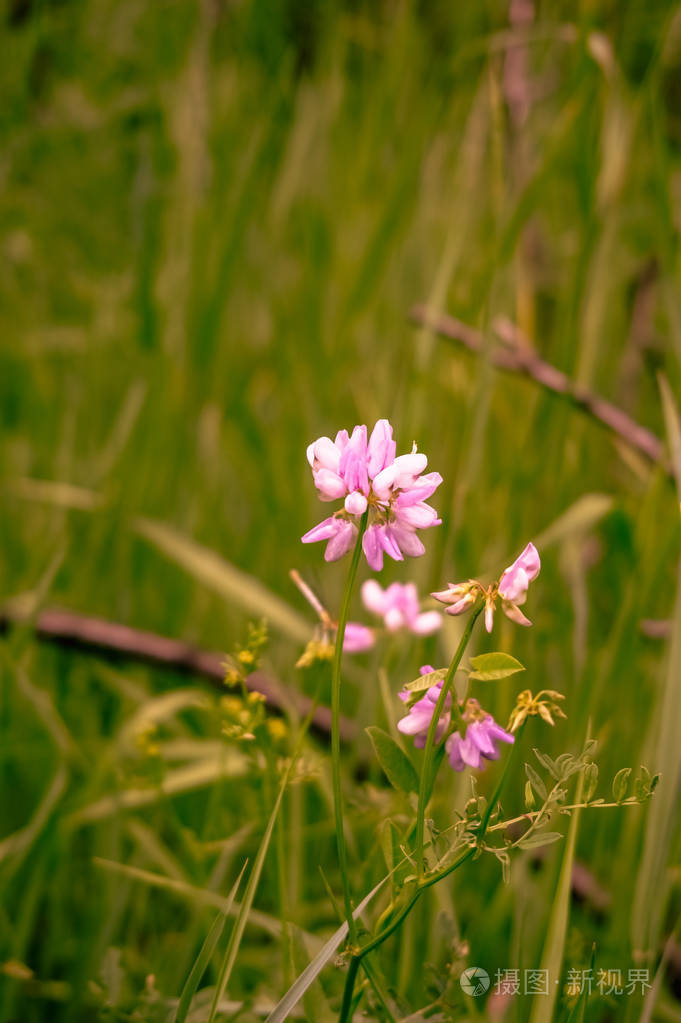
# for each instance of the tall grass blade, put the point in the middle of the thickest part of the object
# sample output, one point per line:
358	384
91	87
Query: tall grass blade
204	957
287	1004
552	957
249	894
652	885
229	582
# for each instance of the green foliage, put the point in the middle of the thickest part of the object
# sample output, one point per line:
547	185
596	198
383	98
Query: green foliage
490	667
397	766
214	220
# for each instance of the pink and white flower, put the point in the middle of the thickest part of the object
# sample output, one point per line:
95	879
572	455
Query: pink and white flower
366	474
511	590
398	605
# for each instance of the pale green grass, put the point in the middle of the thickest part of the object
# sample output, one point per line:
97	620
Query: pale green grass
214	221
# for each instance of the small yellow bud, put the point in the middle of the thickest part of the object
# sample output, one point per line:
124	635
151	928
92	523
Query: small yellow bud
277	729
246	657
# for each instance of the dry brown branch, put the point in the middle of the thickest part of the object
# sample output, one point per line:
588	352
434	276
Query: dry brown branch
111	639
516	356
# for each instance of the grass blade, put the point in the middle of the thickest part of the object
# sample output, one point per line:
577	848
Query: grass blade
652	885
249	894
554	947
225	579
198	969
300	985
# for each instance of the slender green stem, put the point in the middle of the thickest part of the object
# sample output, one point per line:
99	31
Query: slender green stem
335	731
430	738
346	1007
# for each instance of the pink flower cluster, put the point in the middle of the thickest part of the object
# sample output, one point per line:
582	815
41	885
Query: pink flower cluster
367	474
482	731
477	745
398	605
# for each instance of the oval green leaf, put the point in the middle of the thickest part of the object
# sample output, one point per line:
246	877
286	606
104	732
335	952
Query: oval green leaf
426	681
489	667
396	765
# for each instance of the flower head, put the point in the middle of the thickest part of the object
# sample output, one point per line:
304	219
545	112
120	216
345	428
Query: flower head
511	590
417	721
479	742
366	474
398	605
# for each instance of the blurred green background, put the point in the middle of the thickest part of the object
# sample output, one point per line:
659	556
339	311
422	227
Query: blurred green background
214	220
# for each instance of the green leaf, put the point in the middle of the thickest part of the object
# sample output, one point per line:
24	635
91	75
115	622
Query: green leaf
426	681
546	762
590	781
535	781
539	838
620	784
396	765
489	667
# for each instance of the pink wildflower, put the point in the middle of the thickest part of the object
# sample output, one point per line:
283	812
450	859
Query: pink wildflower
398	605
478	743
511	590
417	721
366	474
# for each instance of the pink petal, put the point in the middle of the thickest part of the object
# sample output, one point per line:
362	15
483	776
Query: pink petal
516	578
418	516
373	597
489	617
329	484
326	454
353	461
341	440
389	543
461	605
381	448
453	749
424	624
408	467
384	482
420	490
470	754
394	619
514	613
322	531
407	540
356	503
341	543
372	548
357	638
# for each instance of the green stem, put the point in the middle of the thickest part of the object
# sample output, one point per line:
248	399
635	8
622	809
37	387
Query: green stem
346	1007
335	730
430	738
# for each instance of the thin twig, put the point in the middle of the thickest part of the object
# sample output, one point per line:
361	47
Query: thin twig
112	639
516	356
